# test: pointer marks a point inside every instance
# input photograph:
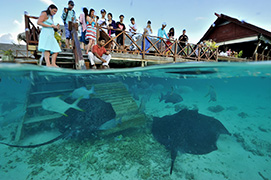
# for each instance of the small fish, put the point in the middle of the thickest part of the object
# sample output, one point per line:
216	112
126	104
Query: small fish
118	138
56	104
211	93
171	98
82	92
110	124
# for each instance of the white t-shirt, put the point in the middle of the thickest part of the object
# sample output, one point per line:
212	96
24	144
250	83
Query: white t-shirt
133	26
101	22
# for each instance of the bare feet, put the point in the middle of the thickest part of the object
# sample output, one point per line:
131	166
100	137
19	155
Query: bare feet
54	65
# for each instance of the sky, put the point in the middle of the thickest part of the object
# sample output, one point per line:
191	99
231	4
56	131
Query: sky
196	16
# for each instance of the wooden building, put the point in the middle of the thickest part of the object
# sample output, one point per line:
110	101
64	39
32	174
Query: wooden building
230	33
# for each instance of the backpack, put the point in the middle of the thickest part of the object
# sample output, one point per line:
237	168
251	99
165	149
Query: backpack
64	19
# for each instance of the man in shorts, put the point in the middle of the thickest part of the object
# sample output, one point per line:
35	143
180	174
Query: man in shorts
68	15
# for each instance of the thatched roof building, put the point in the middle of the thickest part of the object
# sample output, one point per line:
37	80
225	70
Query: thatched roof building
230	33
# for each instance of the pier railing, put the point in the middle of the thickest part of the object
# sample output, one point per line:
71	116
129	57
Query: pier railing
143	44
31	34
156	46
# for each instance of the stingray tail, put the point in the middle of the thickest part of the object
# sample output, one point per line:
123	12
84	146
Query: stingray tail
173	157
75	106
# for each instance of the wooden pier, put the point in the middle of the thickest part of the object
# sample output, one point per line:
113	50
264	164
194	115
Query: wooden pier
122	56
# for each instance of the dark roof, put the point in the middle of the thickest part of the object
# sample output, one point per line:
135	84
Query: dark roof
222	18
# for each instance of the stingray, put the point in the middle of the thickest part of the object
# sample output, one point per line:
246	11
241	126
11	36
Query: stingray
78	123
188	132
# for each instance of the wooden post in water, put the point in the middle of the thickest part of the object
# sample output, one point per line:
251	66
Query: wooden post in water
79	59
143	50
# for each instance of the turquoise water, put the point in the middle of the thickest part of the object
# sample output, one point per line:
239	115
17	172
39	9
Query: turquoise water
112	137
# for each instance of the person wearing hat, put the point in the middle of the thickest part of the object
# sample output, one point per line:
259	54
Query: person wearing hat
161	34
103	23
183	39
68	15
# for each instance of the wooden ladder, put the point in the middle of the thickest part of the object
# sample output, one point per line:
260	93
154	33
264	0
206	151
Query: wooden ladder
38	90
122	102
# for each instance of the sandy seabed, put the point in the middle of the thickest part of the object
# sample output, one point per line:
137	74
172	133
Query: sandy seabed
244	155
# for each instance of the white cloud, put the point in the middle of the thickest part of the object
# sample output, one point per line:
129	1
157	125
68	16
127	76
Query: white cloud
18	27
47	2
6	38
200	18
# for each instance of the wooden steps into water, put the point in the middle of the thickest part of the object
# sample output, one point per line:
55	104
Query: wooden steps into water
122	102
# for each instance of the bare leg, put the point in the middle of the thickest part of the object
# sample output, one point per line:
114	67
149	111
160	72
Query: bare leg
88	46
54	59
67	43
47	58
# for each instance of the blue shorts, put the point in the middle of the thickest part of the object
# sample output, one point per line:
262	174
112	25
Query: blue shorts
67	32
82	38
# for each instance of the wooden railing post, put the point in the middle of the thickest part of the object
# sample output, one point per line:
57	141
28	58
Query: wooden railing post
216	56
27	30
175	50
144	46
79	59
199	52
97	33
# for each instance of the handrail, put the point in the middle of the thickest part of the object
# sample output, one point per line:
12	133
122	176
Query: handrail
170	48
146	45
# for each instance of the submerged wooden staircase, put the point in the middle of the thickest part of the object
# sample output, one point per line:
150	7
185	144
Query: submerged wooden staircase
114	92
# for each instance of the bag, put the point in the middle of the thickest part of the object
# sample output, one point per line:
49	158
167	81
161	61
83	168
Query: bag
64	20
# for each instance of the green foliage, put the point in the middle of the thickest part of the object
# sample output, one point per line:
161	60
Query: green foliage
240	54
8	52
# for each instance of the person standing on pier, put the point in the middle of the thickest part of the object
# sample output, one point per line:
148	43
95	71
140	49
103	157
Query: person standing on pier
132	33
47	42
67	16
91	29
120	27
183	39
83	20
161	34
111	28
147	32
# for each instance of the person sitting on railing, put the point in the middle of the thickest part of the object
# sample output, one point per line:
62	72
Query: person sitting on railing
83	20
147	32
99	55
91	30
120	27
68	15
183	39
111	28
170	41
47	42
161	34
132	33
